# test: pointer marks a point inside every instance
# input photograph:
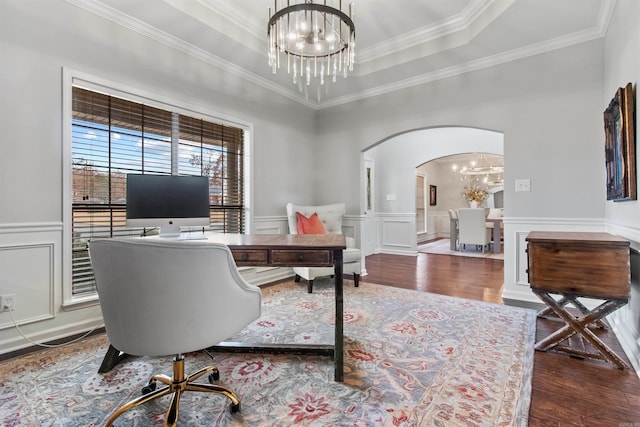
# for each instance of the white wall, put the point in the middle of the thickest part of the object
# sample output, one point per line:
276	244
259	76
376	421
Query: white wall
38	39
622	65
39	46
549	109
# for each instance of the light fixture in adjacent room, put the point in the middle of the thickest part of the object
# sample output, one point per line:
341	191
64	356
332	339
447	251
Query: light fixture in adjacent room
482	171
312	40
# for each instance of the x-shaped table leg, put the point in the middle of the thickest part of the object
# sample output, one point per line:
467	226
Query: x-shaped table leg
579	325
547	313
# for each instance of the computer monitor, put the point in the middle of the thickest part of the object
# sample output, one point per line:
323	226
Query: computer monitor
168	202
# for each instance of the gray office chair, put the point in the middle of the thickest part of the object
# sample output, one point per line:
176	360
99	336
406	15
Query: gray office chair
168	297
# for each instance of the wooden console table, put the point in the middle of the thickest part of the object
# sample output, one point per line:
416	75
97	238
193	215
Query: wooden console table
280	250
574	265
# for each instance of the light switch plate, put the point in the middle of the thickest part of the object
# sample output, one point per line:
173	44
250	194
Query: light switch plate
523	184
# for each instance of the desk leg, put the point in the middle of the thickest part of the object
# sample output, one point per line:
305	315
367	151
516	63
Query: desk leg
339	337
111	359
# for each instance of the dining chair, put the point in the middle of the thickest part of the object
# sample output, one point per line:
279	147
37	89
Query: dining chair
472	227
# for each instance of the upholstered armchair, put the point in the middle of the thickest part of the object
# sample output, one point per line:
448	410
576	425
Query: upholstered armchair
331	217
169	297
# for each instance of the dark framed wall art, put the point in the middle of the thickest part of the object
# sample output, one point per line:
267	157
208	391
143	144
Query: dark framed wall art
620	153
433	193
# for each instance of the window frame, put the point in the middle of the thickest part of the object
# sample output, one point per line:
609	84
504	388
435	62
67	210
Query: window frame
422	229
71	78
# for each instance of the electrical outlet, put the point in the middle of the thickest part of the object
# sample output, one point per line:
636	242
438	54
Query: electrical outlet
7	302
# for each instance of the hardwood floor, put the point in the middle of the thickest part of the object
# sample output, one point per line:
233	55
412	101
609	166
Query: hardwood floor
565	391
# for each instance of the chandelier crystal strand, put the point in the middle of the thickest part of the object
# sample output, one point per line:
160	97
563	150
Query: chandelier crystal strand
321	36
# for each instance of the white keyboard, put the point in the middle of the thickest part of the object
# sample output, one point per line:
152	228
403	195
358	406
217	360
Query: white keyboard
192	236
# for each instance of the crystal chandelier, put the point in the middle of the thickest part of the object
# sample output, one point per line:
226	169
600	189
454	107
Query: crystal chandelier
311	39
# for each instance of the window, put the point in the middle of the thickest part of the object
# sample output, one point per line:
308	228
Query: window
112	137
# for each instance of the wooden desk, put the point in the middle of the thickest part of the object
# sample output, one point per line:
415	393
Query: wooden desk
574	265
281	250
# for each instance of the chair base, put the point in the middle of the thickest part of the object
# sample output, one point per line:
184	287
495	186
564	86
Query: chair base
176	386
356	281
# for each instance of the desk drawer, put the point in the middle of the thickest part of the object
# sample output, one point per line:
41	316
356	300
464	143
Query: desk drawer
251	257
310	258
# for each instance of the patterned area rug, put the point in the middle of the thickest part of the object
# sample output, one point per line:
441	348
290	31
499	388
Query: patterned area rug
441	247
411	359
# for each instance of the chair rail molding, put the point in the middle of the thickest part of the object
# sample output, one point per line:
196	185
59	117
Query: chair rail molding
30	227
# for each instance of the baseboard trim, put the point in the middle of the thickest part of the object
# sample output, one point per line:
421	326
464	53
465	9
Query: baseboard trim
57	342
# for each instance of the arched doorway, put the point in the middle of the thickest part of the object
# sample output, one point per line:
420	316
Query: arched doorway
392	227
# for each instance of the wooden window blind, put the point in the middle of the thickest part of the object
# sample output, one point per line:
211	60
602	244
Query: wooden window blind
216	151
112	137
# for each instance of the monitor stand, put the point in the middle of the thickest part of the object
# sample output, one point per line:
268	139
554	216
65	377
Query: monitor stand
169	231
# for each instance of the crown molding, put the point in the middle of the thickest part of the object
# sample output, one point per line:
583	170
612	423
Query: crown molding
252	24
471	14
461	22
153	33
479	64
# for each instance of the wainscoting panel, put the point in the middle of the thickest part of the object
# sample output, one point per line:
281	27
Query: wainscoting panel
262	275
28	273
626	321
349	230
31	268
271	229
434	227
398	233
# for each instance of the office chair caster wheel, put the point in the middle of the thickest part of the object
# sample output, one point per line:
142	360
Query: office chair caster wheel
149	388
214	376
235	408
